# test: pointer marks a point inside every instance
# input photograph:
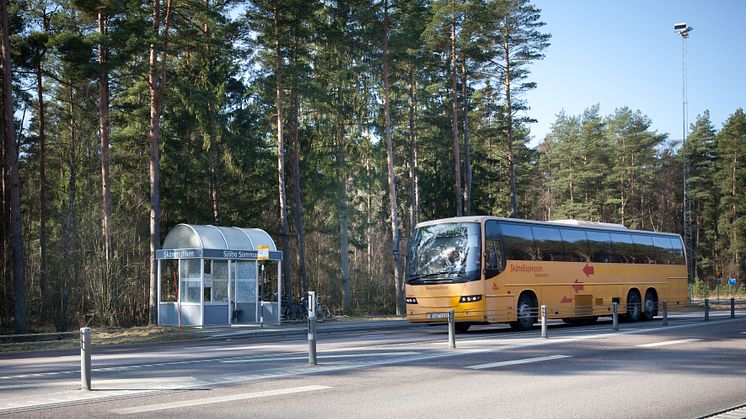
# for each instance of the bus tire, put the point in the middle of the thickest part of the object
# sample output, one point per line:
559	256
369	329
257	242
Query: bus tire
634	306
527	312
462	327
651	305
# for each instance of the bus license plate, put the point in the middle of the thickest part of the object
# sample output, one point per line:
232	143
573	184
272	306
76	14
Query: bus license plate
438	315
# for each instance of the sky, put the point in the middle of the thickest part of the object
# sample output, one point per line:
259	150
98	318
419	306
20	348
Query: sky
626	53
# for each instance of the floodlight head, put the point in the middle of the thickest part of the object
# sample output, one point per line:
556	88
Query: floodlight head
683	29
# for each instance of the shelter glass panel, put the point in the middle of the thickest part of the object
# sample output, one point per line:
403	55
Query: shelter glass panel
190	280
245	274
169	280
219	281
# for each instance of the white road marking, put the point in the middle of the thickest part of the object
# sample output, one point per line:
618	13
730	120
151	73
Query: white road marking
295	358
153	383
212	400
668	342
516	362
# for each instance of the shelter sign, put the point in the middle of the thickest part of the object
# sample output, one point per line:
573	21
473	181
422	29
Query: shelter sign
262	253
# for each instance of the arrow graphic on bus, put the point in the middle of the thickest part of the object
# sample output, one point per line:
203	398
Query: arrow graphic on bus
577	285
566	300
588	270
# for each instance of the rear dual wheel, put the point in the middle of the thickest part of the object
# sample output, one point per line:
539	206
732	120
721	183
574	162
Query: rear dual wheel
651	305
634	307
527	313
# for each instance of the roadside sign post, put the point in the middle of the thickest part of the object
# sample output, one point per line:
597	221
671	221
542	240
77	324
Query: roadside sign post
262	254
312	327
707	309
615	316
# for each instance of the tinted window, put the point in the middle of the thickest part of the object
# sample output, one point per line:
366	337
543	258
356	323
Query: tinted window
662	246
643	251
518	241
493	253
599	243
623	247
576	245
548	244
677	251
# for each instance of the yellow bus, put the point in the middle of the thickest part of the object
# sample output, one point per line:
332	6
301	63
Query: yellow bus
501	270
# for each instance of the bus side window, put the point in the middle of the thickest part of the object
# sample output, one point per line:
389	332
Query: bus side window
493	251
677	252
576	245
492	258
518	241
661	249
600	247
548	242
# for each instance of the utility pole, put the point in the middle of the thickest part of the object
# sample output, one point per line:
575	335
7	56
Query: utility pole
683	30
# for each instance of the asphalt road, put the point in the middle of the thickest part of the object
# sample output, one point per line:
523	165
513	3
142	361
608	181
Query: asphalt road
690	368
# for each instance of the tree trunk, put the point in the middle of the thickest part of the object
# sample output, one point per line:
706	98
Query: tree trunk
414	187
344	242
467	144
68	235
15	193
288	289
509	122
295	169
214	165
156	84
42	196
454	115
103	126
400	309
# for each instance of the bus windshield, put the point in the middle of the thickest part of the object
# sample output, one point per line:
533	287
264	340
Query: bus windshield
445	253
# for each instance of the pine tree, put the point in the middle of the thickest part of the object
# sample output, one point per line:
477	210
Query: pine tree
731	183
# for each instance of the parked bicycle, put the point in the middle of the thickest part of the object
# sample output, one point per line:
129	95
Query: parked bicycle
292	310
322	312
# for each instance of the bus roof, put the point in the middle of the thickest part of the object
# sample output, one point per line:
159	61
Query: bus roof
554	223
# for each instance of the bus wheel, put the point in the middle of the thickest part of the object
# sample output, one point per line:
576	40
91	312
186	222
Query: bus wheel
527	313
462	327
634	307
651	303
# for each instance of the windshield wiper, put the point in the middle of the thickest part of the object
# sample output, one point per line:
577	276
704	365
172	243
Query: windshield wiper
430	275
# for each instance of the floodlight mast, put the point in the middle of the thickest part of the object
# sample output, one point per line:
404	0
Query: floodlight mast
683	30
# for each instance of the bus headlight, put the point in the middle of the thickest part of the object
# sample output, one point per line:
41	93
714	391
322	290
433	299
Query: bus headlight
411	300
470	299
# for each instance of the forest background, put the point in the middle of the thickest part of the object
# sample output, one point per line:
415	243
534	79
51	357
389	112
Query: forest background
334	125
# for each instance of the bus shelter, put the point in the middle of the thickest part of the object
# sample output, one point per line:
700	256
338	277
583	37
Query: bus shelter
216	276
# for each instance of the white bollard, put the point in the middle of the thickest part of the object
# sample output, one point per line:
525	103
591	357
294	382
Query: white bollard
451	329
544	321
85	358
